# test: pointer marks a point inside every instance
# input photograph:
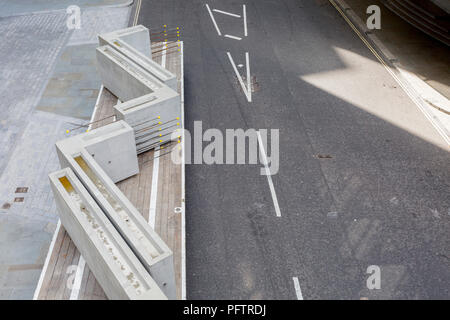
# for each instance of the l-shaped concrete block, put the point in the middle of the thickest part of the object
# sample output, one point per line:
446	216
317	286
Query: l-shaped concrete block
138	37
114	265
146	244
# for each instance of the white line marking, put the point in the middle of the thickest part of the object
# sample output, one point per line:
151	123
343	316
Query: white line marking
249	87
163	58
183	203
298	291
269	176
154	192
78	277
213	20
81	262
136	14
239	78
227	13
244	13
96	106
233	37
47	260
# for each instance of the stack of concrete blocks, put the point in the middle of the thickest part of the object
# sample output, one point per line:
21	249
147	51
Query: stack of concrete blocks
100	158
151	104
114	265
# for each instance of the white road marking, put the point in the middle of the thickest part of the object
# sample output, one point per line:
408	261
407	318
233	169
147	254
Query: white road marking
298	291
155	173
227	13
183	203
249	87
249	97
78	277
163	58
47	260
213	20
269	176
136	14
233	37
244	13
154	192
81	262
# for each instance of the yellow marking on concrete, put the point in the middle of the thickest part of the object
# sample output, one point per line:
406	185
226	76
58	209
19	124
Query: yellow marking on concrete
66	184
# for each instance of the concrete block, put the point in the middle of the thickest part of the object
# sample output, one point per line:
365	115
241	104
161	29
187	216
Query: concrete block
112	146
124	78
146	244
138	37
155	69
153	117
114	265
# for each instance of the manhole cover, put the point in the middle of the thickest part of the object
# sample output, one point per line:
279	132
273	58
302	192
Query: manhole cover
18	199
21	189
253	83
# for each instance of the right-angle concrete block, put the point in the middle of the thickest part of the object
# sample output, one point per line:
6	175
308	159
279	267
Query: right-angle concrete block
112	146
153	117
154	68
115	266
138	37
124	78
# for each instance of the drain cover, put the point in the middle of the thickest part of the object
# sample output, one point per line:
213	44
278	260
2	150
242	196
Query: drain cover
18	199
6	205
21	189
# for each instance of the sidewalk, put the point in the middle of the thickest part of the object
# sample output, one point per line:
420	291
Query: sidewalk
21	7
49	81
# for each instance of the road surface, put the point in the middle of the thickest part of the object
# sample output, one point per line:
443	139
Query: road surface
363	179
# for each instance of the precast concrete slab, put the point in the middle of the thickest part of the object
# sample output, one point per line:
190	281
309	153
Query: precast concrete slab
114	265
155	69
138	37
124	78
154	117
112	146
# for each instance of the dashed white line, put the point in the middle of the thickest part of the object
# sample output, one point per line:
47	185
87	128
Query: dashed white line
244	13
163	58
249	98
227	13
298	291
249	87
233	37
268	175
136	14
213	20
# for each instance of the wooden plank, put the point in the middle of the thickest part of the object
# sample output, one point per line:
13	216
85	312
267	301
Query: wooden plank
51	264
55	283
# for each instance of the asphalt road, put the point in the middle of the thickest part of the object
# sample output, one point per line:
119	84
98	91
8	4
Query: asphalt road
381	198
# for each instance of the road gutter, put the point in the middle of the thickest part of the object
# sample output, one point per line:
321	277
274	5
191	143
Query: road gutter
425	97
